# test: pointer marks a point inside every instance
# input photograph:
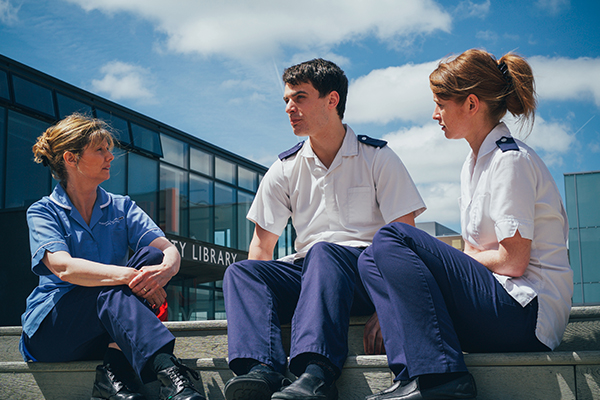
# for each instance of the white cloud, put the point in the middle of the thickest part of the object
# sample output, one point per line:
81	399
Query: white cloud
124	81
434	163
247	29
561	79
551	140
8	12
467	9
402	93
553	6
394	93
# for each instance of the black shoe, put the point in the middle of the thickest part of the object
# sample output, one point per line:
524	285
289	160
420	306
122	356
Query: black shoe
108	386
255	385
175	383
459	388
391	389
308	387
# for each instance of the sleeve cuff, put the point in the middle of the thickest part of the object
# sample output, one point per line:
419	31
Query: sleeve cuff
507	228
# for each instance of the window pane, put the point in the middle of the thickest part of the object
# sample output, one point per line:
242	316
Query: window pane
588	193
577	294
571	200
146	139
591	292
247	179
201	210
219	305
590	254
4	85
2	152
201	161
224	170
119	125
33	95
173	200
118	173
225	223
68	106
174	151
21	169
143	183
245	226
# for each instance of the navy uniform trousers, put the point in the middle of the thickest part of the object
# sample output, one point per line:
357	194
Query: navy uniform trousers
316	294
433	301
86	319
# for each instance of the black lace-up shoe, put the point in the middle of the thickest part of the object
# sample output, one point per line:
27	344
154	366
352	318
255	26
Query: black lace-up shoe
255	385
176	384
108	386
460	388
307	387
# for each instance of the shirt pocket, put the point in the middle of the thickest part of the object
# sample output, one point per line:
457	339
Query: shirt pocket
360	205
478	215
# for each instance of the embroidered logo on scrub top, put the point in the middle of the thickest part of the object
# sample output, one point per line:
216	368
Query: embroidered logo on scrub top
114	221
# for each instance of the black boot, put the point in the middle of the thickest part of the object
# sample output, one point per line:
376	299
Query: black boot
108	386
175	383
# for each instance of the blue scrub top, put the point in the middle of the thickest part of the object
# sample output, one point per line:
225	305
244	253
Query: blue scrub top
117	224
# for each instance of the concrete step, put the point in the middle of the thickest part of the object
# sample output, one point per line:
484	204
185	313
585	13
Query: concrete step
209	338
571	372
523	376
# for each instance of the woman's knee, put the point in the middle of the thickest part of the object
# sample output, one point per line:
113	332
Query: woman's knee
147	255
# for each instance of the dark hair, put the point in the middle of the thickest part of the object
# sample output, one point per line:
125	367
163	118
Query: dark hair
504	85
324	75
73	133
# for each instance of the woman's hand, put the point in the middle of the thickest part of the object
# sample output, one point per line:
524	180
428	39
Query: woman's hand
149	284
372	338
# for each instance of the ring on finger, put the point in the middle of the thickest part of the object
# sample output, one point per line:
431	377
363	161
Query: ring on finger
145	290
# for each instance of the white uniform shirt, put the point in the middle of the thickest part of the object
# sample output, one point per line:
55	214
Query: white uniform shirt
506	191
364	188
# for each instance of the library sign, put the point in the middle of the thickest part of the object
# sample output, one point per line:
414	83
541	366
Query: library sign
206	253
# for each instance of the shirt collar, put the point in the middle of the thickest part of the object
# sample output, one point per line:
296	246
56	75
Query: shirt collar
489	143
60	197
349	145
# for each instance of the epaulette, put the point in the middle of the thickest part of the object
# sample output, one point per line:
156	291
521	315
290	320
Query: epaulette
507	143
371	142
292	151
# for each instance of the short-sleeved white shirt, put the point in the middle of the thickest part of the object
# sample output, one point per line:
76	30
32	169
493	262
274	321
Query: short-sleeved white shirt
364	188
506	191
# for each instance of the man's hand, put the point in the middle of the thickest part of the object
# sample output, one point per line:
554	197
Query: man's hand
372	338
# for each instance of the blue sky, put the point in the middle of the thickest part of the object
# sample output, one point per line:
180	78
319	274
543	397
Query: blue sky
213	68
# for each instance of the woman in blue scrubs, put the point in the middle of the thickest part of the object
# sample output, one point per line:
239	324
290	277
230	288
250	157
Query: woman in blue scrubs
510	290
91	302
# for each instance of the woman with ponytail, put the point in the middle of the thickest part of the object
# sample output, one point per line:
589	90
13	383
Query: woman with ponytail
91	302
510	290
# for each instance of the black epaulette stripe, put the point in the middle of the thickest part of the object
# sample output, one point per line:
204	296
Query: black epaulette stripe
506	143
371	142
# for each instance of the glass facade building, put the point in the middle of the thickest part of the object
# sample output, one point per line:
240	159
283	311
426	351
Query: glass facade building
582	196
197	193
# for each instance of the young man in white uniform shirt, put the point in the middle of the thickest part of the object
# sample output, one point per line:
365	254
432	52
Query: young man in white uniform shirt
339	189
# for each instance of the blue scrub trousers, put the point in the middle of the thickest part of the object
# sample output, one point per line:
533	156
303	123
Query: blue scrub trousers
317	294
86	319
433	301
